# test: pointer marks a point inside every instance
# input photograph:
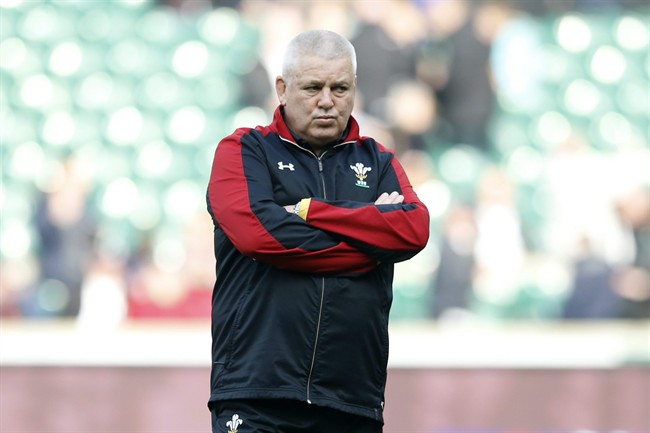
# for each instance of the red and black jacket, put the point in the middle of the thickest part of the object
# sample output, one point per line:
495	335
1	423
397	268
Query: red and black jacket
301	302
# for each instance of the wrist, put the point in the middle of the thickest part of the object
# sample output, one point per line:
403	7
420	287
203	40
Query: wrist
302	208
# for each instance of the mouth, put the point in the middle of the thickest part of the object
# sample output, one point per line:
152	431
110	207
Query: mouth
325	119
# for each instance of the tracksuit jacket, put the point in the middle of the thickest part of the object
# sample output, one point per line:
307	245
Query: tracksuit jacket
301	302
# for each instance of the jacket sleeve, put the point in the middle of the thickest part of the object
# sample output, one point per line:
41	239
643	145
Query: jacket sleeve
240	198
389	233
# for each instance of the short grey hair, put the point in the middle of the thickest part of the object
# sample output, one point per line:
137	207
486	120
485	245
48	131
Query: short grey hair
320	43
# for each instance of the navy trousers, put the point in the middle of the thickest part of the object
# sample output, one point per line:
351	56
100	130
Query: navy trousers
286	416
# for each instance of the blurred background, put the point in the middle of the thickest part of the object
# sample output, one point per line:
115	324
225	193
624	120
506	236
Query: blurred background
523	125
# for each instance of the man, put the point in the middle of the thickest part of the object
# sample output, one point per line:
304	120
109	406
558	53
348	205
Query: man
309	218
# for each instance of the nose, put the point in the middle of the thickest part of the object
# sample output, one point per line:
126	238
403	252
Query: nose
325	100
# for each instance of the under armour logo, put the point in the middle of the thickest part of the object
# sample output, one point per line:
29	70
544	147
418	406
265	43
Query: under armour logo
282	166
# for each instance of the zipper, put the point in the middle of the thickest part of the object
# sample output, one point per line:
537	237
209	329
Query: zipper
322	289
313	355
319	159
322	176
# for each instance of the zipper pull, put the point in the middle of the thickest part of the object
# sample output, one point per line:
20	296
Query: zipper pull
320	165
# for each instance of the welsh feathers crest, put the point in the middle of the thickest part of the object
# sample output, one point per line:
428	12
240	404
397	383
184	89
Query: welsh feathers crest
360	173
234	423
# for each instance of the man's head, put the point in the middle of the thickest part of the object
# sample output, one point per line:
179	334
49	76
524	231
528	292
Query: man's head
317	86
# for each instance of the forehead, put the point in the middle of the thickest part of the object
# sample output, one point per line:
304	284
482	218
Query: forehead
313	68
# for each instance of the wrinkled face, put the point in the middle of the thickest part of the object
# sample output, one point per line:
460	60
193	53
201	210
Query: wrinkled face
318	99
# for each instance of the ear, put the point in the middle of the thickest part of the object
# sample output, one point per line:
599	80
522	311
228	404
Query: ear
281	90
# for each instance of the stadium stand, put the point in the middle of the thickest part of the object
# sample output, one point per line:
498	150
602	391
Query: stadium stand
138	93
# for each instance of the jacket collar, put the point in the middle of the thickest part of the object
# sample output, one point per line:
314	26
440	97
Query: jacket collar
351	132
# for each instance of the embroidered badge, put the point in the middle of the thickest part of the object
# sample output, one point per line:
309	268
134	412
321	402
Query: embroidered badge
234	423
360	173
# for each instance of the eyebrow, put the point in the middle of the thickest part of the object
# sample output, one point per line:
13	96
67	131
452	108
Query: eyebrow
312	82
316	82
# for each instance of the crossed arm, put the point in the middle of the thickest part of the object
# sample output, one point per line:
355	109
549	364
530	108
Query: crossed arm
337	237
385	198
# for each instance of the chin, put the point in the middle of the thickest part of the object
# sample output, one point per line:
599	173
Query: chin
327	134
325	139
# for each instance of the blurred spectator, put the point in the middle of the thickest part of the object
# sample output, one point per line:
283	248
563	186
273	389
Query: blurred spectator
158	293
157	289
256	86
602	291
413	114
66	229
264	15
103	294
583	206
592	294
500	251
632	282
412	277
16	275
385	42
452	286
374	126
462	46
336	16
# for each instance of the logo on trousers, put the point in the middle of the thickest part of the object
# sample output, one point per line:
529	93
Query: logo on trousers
234	423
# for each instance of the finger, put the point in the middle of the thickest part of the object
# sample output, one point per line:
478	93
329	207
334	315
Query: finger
394	198
382	198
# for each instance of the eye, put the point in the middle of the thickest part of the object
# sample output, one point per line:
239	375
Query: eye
341	89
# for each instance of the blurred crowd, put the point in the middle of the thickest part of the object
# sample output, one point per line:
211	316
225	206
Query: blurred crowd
428	87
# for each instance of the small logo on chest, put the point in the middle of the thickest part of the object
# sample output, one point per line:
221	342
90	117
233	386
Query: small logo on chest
282	166
360	173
